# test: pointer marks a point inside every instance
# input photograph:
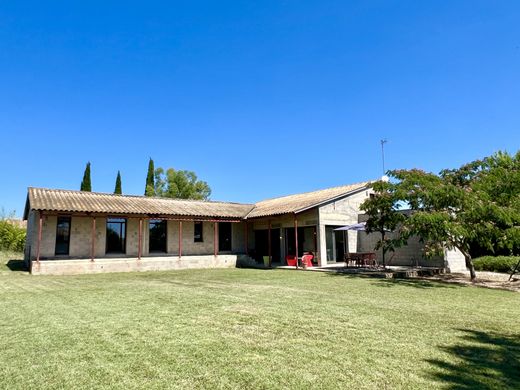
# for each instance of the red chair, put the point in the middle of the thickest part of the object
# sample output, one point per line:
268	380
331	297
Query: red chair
307	260
291	260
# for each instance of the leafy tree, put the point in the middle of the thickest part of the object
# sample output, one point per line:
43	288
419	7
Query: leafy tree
117	189
180	184
476	203
85	183
149	189
383	209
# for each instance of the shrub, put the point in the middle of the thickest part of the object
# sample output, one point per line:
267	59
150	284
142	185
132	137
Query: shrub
496	264
12	237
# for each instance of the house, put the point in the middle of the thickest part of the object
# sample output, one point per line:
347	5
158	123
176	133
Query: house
88	232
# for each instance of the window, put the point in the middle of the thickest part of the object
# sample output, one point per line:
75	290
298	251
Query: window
197	232
224	236
116	235
62	236
157	242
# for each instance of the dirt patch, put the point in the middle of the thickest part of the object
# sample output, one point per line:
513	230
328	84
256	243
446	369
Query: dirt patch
484	279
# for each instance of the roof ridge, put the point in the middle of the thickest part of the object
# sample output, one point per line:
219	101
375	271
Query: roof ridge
322	189
137	196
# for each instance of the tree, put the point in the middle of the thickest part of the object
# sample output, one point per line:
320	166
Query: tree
149	189
180	184
85	183
117	189
383	209
476	203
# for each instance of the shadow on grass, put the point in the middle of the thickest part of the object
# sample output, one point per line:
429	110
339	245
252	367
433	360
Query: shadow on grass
380	281
480	361
416	283
16	266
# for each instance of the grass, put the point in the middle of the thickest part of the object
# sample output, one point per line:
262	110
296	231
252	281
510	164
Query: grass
239	328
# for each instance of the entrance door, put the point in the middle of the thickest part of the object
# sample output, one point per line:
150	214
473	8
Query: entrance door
224	236
157	236
336	244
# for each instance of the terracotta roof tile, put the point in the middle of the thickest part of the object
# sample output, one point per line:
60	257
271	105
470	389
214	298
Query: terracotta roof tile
94	202
68	201
300	202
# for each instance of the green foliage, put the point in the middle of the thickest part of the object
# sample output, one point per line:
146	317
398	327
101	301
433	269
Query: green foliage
496	264
180	185
476	203
12	237
86	183
382	207
117	189
149	189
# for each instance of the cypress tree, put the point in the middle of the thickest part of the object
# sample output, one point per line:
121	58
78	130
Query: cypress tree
85	183
149	189
118	190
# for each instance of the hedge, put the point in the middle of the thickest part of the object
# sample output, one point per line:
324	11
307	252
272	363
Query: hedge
496	264
12	237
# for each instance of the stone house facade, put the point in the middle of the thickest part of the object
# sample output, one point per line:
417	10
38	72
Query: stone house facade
71	232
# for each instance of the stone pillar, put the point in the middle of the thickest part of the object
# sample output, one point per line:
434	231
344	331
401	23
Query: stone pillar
322	244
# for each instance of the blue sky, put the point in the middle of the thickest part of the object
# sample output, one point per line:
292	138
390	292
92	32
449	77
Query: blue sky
259	98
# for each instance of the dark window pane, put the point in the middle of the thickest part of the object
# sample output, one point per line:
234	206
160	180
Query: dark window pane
197	232
224	236
116	235
62	236
157	241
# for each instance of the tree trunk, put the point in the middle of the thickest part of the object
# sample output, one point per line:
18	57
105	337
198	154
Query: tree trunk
470	266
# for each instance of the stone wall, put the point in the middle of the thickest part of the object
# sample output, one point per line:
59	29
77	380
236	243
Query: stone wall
157	263
341	212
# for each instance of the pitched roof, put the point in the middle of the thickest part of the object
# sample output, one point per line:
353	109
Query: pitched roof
68	201
301	202
79	201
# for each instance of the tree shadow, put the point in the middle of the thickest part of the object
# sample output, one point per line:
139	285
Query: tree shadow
17	266
480	361
379	280
416	283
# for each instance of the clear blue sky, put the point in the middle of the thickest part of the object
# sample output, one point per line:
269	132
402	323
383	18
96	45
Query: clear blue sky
259	98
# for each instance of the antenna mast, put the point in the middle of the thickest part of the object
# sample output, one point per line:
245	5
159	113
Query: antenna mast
383	142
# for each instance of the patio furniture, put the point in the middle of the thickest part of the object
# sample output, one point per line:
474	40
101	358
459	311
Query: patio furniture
291	260
361	259
307	260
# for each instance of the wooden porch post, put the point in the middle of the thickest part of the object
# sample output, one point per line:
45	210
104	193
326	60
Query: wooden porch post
215	238
269	244
140	240
247	239
180	239
40	225
93	240
296	238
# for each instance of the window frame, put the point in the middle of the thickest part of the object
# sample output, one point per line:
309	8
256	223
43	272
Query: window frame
69	218
195	238
156	221
123	222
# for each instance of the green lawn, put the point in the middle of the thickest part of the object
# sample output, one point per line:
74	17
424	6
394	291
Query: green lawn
239	328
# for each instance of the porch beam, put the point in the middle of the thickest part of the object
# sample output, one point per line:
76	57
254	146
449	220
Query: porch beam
247	238
140	240
215	238
180	239
296	238
269	244
40	226
93	240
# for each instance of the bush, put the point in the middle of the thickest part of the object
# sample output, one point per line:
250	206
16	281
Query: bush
496	264
12	237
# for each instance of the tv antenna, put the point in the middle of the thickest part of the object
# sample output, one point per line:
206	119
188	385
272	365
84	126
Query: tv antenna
383	142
